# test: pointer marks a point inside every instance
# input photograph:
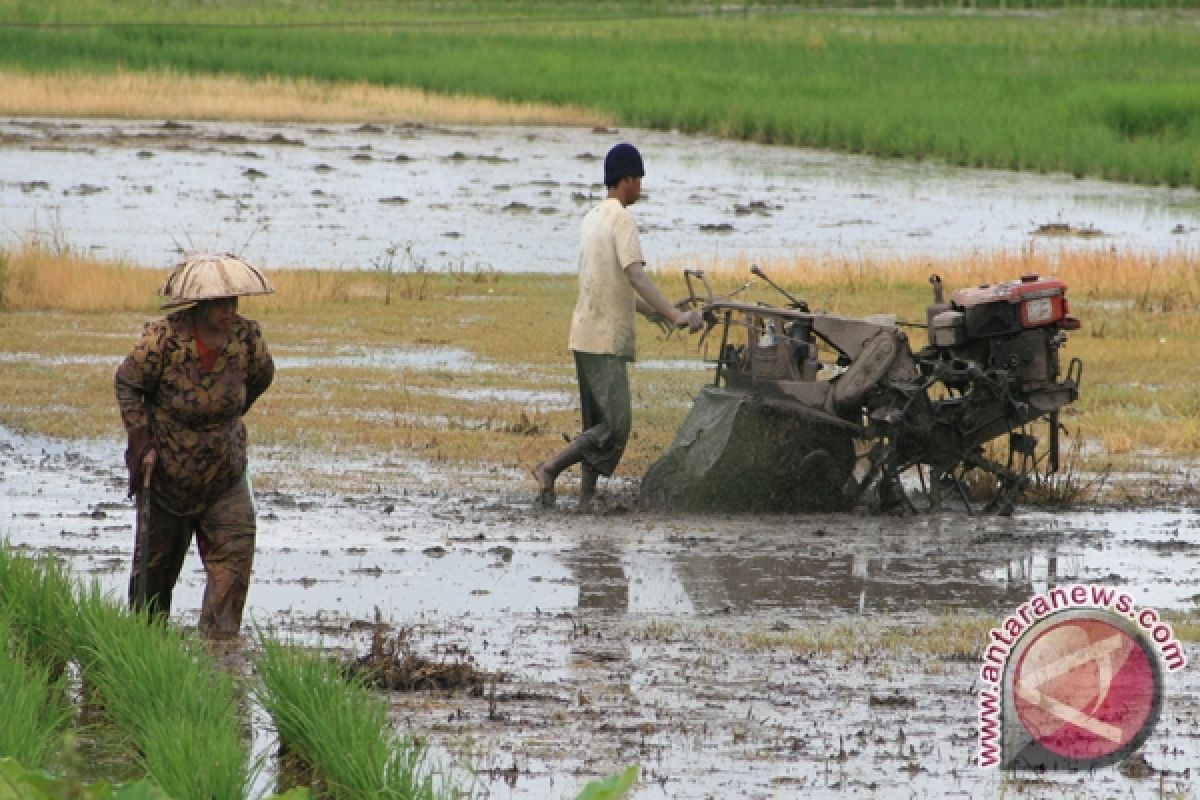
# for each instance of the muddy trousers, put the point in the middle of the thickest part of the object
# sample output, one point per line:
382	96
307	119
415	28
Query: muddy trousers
607	407
225	540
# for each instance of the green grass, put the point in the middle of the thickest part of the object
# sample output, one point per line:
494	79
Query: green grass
35	604
163	692
338	728
36	712
1097	93
165	698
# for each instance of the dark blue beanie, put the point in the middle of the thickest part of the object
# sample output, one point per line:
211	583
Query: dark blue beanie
622	161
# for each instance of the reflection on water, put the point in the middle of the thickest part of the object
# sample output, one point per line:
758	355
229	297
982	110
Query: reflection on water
434	552
510	199
817	584
809	578
600	577
930	565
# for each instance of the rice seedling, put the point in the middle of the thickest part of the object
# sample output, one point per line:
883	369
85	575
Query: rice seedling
162	697
167	696
297	681
339	729
36	712
35	605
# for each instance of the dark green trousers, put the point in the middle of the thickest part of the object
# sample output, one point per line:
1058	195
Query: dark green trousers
607	408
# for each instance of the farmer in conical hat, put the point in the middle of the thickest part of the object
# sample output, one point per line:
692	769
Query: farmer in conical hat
182	393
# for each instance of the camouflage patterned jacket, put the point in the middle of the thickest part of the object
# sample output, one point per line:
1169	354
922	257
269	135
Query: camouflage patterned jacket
192	418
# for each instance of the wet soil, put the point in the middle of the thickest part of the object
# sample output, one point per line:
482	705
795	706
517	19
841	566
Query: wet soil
510	199
687	645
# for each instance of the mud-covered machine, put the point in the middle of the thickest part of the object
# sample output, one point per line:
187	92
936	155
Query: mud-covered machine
810	411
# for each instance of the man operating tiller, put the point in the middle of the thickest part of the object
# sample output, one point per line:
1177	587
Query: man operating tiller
612	285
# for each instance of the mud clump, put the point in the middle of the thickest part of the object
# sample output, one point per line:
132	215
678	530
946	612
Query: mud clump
895	700
1065	229
1136	767
393	664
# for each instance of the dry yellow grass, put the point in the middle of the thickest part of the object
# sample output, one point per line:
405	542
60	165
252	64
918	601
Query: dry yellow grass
37	277
1168	282
1138	343
138	95
44	274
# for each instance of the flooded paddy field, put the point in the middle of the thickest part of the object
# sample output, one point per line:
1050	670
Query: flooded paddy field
404	197
756	656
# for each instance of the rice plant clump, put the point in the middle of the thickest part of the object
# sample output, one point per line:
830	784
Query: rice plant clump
36	601
36	712
339	729
163	691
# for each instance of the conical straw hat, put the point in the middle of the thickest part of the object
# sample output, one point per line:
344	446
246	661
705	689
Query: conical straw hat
207	277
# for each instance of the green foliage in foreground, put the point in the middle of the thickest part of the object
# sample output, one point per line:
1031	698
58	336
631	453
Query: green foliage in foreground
1103	94
19	783
612	788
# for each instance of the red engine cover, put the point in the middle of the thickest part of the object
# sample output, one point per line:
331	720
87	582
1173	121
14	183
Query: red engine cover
1043	301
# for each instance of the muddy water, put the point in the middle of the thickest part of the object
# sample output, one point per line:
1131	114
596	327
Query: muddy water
510	199
626	638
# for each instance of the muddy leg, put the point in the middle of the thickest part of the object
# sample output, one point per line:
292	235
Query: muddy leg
547	472
167	539
225	537
587	489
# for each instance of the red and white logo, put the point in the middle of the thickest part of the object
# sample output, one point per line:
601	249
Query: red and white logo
1086	688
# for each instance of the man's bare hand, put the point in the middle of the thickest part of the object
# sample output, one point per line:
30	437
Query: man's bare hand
692	320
